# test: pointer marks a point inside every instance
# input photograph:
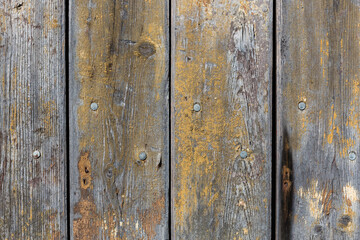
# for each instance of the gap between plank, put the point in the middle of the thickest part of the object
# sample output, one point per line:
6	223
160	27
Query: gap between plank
273	126
67	114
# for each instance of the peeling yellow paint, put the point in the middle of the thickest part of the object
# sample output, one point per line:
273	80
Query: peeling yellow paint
209	141
54	23
115	64
350	201
318	201
350	193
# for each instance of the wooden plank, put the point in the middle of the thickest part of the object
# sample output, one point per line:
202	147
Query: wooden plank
119	61
318	59
222	60
32	117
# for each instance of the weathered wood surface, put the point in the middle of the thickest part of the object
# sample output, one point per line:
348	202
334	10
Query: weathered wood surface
32	117
119	60
318	60
222	59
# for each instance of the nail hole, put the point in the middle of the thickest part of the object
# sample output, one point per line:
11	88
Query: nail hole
18	6
160	163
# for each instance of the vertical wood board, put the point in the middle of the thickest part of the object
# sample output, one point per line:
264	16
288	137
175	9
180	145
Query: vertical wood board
221	60
318	64
119	60
32	117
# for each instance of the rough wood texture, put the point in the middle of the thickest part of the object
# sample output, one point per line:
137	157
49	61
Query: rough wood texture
222	59
318	59
32	116
119	60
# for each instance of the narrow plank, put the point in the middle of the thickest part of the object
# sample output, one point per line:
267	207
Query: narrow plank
318	59
32	117
119	61
222	60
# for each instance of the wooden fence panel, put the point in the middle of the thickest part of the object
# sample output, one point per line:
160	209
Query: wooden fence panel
318	119
221	124
32	118
119	114
221	119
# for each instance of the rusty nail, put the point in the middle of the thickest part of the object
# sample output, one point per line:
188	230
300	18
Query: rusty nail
243	154
142	156
352	156
36	154
197	107
302	105
94	106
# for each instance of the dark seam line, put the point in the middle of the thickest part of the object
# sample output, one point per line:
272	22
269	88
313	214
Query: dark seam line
67	112
274	126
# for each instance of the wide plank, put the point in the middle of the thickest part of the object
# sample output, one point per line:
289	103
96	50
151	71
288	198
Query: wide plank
318	119
118	113
32	118
221	119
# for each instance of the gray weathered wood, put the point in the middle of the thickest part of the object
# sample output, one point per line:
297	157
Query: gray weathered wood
222	59
119	60
32	117
318	63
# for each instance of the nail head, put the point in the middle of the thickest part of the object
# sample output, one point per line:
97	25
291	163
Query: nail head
352	156
302	105
142	156
36	154
94	106
197	107
243	154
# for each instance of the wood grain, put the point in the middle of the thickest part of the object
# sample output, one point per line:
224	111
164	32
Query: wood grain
222	59
32	117
318	63
119	60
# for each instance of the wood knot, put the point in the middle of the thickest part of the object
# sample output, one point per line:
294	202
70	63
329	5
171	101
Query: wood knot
318	228
109	172
146	49
345	220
